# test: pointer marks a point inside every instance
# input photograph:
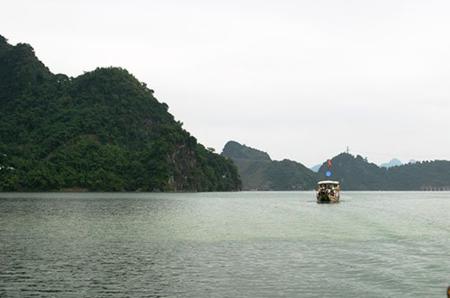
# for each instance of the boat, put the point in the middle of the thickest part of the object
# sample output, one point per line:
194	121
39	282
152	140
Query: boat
328	191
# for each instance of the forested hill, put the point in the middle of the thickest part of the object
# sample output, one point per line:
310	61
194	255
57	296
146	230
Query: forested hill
259	172
356	173
101	131
237	151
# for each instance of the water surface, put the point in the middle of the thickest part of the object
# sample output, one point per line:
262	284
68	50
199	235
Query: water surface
244	244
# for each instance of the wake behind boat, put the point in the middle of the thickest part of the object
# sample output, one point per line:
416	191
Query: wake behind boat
328	191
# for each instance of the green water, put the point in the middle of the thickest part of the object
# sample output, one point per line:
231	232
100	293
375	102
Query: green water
244	244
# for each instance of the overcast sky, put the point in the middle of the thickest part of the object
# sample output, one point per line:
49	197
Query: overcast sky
299	79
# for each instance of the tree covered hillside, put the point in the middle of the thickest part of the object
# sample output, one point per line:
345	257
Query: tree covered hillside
356	173
259	172
101	131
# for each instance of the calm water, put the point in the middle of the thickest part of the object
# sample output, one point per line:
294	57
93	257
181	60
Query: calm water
249	244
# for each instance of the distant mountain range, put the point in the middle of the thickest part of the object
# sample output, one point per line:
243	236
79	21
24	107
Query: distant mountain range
394	163
356	173
316	168
258	171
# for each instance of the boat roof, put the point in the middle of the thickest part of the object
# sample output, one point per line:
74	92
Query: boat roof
328	182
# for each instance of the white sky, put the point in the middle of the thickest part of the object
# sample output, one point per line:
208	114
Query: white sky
298	79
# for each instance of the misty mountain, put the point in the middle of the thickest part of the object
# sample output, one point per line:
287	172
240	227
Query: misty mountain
392	163
315	168
259	172
356	173
101	131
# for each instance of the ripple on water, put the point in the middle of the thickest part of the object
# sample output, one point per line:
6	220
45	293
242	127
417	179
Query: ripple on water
224	245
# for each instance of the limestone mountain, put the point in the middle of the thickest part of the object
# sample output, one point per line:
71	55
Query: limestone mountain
356	173
316	168
101	131
392	163
259	172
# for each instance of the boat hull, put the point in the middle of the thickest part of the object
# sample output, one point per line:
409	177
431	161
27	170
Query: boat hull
327	198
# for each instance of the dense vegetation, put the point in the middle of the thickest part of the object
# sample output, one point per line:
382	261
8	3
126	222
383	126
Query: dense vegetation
356	173
101	131
259	172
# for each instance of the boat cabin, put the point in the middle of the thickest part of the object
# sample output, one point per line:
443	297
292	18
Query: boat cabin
328	191
328	184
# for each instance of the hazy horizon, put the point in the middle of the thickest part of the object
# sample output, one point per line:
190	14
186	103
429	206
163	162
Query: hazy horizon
299	80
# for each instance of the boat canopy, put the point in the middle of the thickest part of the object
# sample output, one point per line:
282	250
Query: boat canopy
328	182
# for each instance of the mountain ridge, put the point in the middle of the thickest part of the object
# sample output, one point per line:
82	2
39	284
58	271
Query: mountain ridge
101	131
353	171
259	172
357	173
392	163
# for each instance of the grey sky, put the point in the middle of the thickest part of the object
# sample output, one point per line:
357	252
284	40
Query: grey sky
276	75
